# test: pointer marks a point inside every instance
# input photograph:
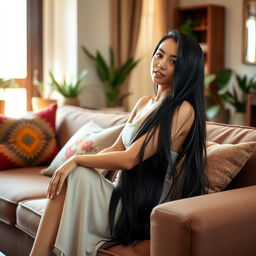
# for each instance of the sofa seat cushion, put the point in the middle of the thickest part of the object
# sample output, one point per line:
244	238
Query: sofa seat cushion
18	185
28	218
142	248
29	214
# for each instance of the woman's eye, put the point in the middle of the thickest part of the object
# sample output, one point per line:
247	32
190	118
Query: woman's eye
158	55
173	61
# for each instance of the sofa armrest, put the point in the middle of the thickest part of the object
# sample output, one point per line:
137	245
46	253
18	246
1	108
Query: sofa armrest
222	223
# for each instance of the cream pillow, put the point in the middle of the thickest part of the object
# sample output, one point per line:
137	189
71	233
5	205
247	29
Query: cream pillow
89	139
224	161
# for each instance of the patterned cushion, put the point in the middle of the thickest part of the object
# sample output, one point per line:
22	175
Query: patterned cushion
28	141
89	139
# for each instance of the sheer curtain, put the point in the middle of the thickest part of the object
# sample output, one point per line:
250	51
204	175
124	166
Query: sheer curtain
157	19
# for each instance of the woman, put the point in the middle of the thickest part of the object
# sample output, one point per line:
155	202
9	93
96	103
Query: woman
161	131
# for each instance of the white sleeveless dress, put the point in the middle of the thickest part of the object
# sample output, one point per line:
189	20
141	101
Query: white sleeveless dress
84	220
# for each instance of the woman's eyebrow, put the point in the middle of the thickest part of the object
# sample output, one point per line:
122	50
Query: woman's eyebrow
172	55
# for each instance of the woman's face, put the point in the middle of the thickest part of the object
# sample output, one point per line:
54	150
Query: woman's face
163	62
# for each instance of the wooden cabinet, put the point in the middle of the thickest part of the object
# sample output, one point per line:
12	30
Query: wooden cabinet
209	32
251	109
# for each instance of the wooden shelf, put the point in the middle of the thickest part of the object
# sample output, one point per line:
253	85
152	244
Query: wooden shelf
200	28
210	31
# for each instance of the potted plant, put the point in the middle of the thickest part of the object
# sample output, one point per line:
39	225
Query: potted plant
111	76
215	105
237	101
69	90
234	95
4	84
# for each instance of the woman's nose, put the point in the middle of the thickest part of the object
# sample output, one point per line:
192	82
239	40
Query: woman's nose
162	64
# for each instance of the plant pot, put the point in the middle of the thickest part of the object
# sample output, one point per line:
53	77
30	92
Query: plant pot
2	106
39	103
238	118
221	117
71	101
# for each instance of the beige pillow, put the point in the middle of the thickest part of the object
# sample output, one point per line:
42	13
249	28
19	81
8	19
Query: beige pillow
224	161
89	139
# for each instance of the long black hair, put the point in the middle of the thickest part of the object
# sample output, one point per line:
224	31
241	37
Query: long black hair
140	188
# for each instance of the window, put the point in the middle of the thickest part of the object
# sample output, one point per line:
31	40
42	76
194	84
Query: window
13	43
21	42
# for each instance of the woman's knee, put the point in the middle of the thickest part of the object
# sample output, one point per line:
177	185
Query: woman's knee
83	174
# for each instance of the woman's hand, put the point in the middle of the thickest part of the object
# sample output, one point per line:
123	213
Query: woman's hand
59	177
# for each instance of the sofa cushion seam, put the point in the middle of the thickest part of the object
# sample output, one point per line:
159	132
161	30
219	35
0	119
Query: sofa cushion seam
7	200
30	209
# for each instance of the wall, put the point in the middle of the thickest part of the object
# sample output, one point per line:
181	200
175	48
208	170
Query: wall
233	33
94	33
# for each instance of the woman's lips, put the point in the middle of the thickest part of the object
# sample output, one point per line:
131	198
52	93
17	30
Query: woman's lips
158	74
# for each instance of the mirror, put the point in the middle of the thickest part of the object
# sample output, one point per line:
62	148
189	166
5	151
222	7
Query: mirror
249	31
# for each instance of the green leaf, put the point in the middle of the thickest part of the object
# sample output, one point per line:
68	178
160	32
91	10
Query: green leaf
88	53
102	65
112	70
209	78
223	77
123	72
212	111
222	90
111	98
241	82
112	59
82	75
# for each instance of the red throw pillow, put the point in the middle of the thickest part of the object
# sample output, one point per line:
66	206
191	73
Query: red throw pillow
28	141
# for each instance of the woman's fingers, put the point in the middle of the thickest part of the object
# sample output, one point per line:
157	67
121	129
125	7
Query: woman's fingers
60	183
58	178
53	185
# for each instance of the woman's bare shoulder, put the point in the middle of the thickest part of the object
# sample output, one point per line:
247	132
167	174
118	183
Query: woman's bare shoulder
143	101
184	117
138	106
186	109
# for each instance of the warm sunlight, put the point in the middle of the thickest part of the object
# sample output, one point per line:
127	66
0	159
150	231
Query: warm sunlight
13	43
15	101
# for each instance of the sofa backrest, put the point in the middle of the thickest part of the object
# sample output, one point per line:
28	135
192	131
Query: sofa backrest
233	134
70	119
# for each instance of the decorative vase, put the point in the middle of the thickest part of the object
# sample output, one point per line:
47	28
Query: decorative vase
39	103
71	101
238	118
2	106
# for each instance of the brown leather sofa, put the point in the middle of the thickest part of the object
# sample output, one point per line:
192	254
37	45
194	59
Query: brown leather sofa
211	225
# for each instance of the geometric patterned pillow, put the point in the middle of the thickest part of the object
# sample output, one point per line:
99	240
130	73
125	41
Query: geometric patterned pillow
28	141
